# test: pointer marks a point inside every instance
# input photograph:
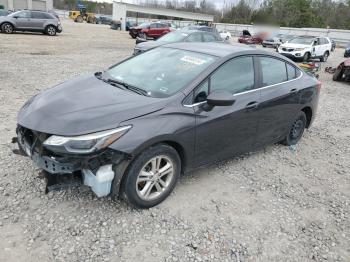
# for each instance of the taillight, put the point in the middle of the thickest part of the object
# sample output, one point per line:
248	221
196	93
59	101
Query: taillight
318	86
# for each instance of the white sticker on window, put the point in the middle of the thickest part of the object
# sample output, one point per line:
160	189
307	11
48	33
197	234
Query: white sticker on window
193	60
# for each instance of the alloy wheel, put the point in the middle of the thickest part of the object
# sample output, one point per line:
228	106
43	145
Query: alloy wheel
155	177
297	129
8	28
51	30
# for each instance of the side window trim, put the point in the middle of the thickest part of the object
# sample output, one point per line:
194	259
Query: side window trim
260	73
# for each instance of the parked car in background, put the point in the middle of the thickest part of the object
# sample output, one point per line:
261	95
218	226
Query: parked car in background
4	12
247	38
306	47
276	40
152	30
225	35
104	20
129	24
134	128
177	36
347	50
29	20
202	28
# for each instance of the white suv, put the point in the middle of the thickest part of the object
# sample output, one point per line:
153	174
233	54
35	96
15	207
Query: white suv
306	47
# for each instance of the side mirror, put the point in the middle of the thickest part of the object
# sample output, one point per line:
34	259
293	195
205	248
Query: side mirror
220	98
315	42
15	16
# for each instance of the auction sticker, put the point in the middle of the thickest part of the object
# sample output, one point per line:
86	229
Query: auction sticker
193	60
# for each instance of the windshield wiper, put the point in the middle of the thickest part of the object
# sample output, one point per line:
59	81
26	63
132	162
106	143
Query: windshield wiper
127	86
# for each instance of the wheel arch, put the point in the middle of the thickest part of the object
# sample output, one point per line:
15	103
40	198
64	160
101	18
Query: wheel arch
7	22
308	112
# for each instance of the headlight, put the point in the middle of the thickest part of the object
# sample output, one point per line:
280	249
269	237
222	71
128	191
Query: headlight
84	144
299	49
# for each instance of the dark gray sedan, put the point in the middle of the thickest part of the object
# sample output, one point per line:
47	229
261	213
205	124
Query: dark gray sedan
134	128
178	36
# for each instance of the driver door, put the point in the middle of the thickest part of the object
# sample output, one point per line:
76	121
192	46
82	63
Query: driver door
225	131
22	20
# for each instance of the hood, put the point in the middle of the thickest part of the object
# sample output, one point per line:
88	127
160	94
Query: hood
84	105
291	45
149	45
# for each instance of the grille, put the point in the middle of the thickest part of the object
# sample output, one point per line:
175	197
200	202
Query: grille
287	49
32	138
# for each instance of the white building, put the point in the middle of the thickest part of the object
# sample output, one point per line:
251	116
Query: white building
44	5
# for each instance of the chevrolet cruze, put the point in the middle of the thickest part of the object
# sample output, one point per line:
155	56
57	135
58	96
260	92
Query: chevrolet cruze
134	128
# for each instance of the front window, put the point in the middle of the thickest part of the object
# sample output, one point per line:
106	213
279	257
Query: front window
162	71
302	40
173	37
20	14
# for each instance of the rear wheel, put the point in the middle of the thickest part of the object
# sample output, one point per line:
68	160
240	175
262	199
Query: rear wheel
296	131
7	28
50	30
325	56
152	176
306	57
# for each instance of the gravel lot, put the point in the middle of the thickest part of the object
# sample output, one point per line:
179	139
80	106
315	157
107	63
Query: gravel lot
277	204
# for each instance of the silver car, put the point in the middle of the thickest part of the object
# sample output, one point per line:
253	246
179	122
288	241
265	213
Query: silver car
30	20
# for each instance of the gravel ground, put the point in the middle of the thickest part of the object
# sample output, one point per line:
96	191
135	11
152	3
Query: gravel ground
277	204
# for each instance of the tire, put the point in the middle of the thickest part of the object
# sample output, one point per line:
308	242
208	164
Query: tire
337	76
7	28
296	131
50	30
79	19
325	56
141	173
306	57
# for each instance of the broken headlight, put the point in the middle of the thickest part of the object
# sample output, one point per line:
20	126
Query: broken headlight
84	144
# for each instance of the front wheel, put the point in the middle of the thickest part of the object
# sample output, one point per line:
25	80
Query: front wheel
50	30
7	28
296	131
152	176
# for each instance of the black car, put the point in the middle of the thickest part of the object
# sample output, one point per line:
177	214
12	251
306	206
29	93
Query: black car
134	128
174	37
104	20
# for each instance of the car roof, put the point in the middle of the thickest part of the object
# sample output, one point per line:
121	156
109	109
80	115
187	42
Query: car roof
214	48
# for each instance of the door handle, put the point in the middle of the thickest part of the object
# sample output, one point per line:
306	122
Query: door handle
294	90
252	105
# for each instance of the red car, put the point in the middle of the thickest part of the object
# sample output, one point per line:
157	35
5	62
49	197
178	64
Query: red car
146	30
247	38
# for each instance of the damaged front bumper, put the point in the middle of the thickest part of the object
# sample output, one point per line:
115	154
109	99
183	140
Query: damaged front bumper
97	170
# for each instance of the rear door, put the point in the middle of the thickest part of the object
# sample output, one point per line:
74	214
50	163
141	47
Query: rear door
225	131
37	20
280	99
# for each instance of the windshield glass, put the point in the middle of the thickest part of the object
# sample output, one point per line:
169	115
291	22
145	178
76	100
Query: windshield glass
173	37
302	40
162	71
14	13
144	25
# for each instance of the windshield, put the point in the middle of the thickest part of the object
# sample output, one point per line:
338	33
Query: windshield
144	25
302	40
161	71
173	37
14	13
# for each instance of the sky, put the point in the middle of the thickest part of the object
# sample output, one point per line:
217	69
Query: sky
218	3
